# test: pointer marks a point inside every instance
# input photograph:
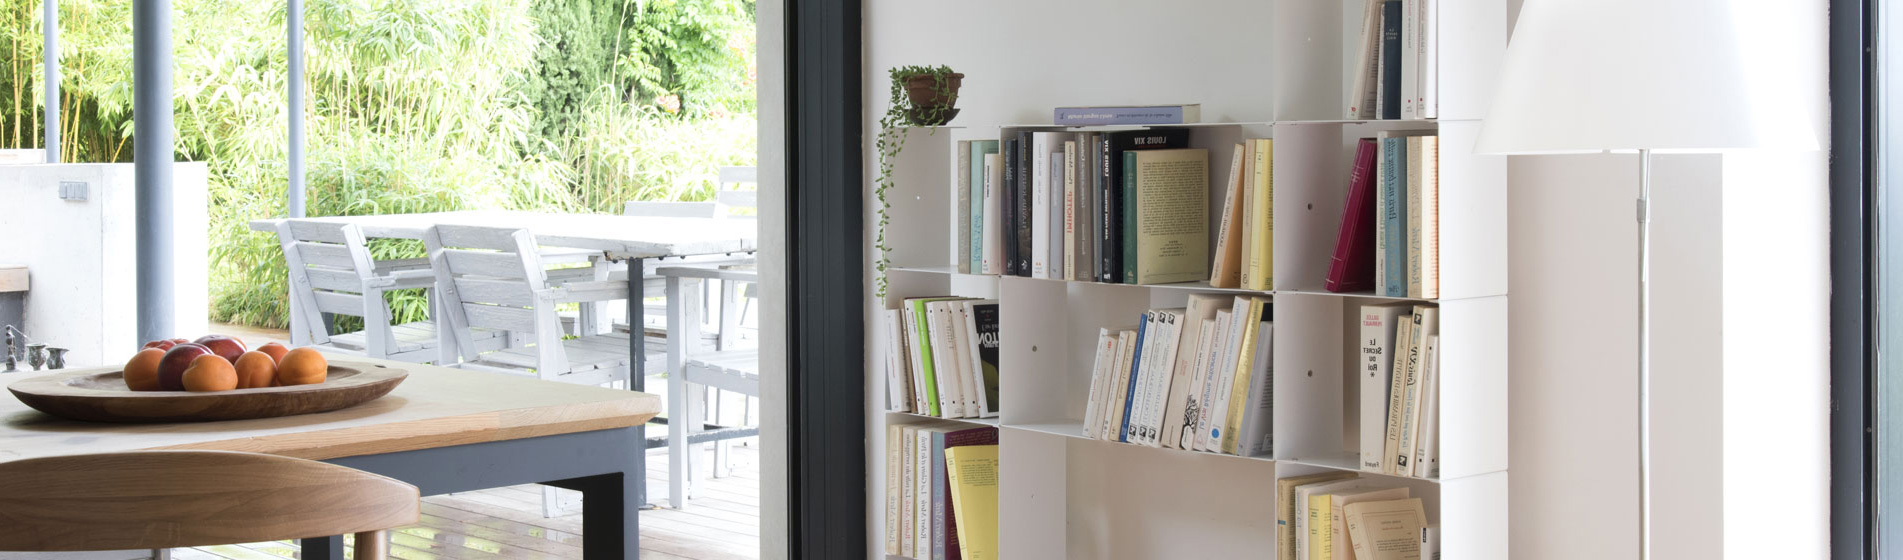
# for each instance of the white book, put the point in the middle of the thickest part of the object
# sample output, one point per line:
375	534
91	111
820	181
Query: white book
1119	385
1193	399
908	491
1375	365
1143	361
951	394
915	356
961	347
1225	376
1361	97
894	495
1070	210
1410	56
1430	217
1426	105
1093	409
1426	463
1410	409
1258	418
1056	242
963	188
994	205
980	385
898	378
1218	350
1404	358
1201	307
1167	358
1041	224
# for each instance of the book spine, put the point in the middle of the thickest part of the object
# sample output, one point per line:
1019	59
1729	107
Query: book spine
993	262
1206	399
1223	272
941	498
1130	235
1070	210
1430	416
908	490
1390	104
1091	183
1239	389
1410	56
1414	216
1130	388
1040	205
923	327
895	374
1430	60
1351	268
1162	356
1361	97
1393	253
1008	218
1026	165
1264	245
1118	383
1054	269
1109	251
1246	260
951	402
975	262
1107	116
1255	437
963	187
922	520
893	496
1378	323
1397	391
1430	217
1093	408
914	357
1080	243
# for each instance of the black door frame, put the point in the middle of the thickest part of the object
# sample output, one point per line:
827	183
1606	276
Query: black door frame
1852	302
826	478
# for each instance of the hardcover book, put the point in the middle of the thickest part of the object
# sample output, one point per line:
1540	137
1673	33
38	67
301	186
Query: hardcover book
1114	144
1167	192
1127	115
1010	217
1352	267
1390	103
974	477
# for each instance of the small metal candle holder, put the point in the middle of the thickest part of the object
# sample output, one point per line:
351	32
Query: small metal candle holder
56	358
36	355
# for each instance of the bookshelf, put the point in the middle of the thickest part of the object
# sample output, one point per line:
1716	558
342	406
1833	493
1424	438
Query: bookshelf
1063	495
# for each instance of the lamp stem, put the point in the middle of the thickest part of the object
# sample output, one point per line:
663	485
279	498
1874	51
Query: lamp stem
1645	354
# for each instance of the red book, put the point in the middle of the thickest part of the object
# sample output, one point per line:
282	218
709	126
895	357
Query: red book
1352	269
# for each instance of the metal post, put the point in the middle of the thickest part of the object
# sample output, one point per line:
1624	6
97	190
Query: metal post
1645	354
152	164
294	41
49	29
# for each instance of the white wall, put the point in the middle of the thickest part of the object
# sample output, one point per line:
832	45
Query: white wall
770	21
81	255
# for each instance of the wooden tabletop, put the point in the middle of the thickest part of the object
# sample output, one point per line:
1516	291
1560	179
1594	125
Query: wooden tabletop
619	236
435	407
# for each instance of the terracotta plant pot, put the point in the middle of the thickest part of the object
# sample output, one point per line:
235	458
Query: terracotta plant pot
923	90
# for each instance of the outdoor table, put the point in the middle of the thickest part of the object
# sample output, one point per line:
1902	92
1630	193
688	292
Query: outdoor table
633	239
442	430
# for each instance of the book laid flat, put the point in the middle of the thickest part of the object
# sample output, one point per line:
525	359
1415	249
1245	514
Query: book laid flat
1225	271
1110	250
1352	267
1127	115
1386	530
1285	507
1168	216
973	472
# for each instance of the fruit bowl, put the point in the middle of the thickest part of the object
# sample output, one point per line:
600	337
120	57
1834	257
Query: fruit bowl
100	395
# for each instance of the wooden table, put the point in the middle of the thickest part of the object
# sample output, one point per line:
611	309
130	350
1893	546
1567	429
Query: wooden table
443	430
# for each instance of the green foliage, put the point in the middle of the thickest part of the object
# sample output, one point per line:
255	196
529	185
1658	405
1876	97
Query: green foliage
890	141
694	57
413	106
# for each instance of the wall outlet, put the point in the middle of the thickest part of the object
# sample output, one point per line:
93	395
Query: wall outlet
72	190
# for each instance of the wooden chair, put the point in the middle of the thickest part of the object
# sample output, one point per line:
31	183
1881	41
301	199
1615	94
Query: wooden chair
171	499
692	370
332	272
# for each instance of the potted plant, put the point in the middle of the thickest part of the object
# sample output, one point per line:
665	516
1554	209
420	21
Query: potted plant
920	96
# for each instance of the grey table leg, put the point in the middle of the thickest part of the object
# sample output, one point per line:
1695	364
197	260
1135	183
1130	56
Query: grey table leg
638	371
330	548
610	522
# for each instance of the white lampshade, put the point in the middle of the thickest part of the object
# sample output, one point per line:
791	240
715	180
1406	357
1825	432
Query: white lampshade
1669	75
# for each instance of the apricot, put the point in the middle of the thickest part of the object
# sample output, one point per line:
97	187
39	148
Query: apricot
142	371
211	372
302	366
256	369
275	350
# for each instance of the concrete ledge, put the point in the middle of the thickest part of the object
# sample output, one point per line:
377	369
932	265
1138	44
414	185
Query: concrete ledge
13	277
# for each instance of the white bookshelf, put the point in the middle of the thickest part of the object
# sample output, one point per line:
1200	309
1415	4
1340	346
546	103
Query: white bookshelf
1066	496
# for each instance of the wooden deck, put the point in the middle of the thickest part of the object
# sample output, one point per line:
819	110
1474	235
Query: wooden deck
721	522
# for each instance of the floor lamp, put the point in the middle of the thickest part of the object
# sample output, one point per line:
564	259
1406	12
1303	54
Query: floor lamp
1592	76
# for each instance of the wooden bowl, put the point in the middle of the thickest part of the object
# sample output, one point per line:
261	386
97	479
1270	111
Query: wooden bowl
100	395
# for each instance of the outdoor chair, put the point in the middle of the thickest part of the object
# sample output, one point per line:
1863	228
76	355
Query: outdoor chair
146	500
693	369
331	271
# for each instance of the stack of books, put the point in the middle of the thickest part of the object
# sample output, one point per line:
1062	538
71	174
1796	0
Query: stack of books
1400	389
1396	73
1389	239
941	492
941	357
1127	207
1339	515
1193	378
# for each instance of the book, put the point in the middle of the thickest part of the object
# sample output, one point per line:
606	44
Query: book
924	358
1245	364
1127	115
1414	191
1026	190
1352	267
1389	104
1110	250
1254	434
984	333
1308	518
1224	376
1404	360
1426	462
1089	185
1162	373
1211	379
1167	194
898	381
1429	100
962	186
1199	371
1070	210
1200	309
980	185
1362	95
993	200
1225	270
1339	547
1391	209
963	348
1285	507
1430	542
1386	530
1118	383
974	476
944	356
1375	367
1041	203
915	357
1247	275
1093	408
1055	243
1410	57
1140	344
954	539
1416	369
1082	242
930	475
908	496
1261	226
893	493
1009	217
1427	229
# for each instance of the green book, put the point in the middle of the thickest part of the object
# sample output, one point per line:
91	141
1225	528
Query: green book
920	322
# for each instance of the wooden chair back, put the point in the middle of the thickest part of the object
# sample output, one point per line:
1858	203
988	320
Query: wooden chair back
170	499
330	265
491	277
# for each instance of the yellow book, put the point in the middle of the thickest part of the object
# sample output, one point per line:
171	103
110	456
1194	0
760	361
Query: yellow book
973	470
1261	226
1239	391
1285	509
1321	528
1247	259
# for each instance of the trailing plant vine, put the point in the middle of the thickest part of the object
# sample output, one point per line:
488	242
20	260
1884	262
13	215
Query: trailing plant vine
900	113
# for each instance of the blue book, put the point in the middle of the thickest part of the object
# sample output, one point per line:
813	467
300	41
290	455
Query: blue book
1391	225
1134	114
941	496
1136	364
979	148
